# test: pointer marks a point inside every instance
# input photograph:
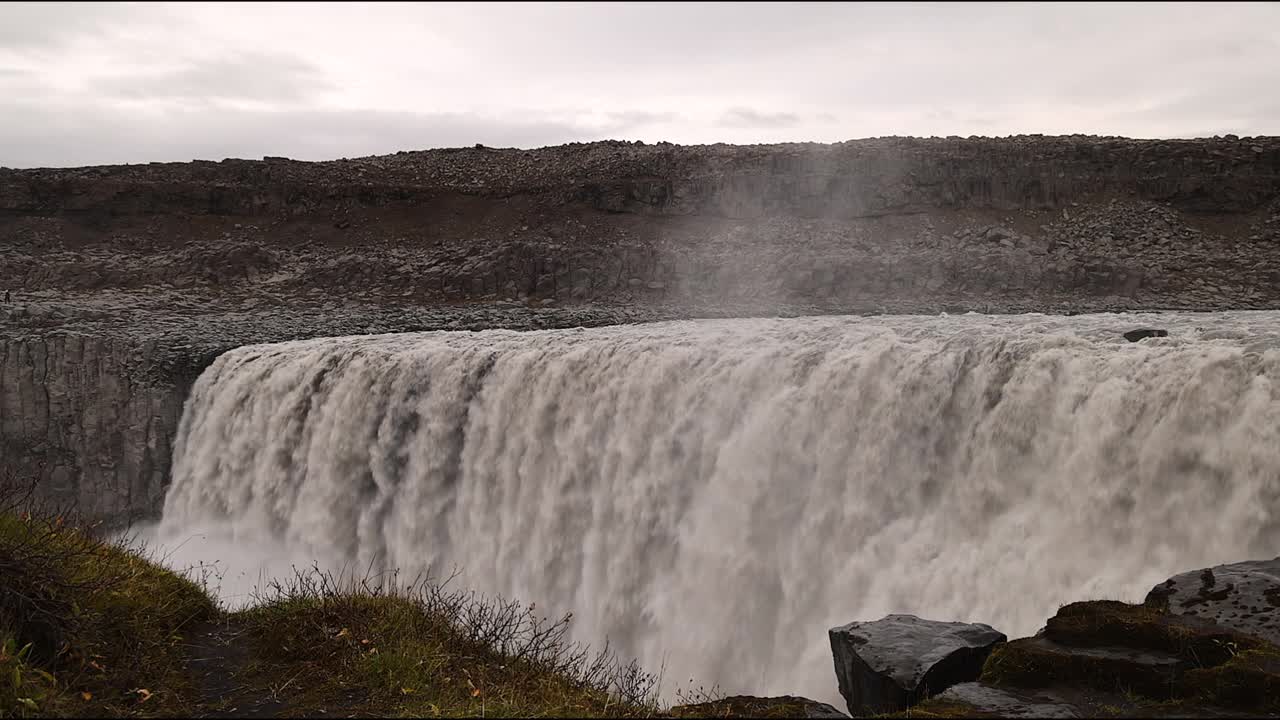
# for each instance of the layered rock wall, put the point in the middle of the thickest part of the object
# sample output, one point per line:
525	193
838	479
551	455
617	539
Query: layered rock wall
78	413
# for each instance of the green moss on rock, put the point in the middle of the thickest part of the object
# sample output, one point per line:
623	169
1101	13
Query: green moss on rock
1248	681
1154	659
1116	624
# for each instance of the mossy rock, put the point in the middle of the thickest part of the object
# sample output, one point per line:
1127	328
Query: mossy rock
1152	658
1039	662
1144	627
1248	681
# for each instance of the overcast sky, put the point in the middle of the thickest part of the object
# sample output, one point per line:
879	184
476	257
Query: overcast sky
94	83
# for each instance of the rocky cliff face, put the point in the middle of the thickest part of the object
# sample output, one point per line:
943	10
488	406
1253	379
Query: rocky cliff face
188	259
79	413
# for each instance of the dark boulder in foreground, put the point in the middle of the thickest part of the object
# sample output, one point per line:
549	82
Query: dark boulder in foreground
1244	597
1203	644
893	663
1144	333
745	706
1108	658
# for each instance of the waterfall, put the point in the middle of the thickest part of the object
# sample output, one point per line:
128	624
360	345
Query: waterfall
711	496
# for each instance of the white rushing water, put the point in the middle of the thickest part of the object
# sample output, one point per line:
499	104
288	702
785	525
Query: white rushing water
711	496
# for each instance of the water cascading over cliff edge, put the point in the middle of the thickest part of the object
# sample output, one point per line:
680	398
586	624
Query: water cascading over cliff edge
711	496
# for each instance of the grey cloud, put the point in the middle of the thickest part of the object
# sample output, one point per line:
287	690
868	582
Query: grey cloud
19	83
743	117
37	26
628	119
595	36
552	73
250	76
1228	107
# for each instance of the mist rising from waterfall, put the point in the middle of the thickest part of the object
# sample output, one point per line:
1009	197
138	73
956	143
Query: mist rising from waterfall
713	495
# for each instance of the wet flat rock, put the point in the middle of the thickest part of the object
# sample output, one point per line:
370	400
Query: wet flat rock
981	699
1244	597
745	706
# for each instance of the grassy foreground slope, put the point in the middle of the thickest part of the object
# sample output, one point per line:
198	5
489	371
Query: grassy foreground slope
87	627
94	628
90	627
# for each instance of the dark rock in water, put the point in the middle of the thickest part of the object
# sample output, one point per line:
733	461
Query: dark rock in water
1244	597
893	663
979	699
982	699
745	706
1143	334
